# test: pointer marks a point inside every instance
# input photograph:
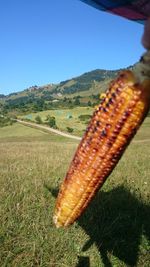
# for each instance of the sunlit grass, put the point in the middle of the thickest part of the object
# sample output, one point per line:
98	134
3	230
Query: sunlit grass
114	230
66	118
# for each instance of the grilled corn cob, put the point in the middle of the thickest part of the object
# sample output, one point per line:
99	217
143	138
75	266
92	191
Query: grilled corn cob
110	130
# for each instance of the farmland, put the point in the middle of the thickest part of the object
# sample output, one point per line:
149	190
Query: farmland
114	230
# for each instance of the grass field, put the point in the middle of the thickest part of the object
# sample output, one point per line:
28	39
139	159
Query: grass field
62	118
113	232
63	121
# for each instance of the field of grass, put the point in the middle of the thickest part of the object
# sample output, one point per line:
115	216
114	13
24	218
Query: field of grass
144	131
63	121
21	133
62	118
113	232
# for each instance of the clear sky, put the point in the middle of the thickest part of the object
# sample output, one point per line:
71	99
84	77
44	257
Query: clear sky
48	41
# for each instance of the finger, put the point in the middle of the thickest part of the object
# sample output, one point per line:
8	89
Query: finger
146	35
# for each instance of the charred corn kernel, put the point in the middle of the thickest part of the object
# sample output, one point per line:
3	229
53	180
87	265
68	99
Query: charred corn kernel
110	130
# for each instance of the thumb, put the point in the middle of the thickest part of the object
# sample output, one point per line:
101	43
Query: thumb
146	35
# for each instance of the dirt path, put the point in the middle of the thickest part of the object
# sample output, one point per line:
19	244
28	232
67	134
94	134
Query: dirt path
35	125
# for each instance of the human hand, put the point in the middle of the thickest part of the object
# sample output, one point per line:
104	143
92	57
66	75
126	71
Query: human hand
146	35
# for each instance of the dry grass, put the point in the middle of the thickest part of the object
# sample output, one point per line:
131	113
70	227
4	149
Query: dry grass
114	230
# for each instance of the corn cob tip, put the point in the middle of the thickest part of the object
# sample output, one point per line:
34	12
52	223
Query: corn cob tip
55	220
59	223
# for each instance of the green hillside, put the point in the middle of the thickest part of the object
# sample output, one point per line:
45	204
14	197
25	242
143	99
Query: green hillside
79	91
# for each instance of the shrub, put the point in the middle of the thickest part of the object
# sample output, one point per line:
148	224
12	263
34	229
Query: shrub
84	117
51	121
5	121
70	130
89	103
38	119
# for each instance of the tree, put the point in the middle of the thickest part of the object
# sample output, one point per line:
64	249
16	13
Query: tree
47	117
89	103
38	119
51	121
77	102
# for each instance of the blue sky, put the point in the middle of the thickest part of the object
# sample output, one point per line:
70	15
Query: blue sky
47	41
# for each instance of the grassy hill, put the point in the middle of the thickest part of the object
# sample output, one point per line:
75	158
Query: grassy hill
79	91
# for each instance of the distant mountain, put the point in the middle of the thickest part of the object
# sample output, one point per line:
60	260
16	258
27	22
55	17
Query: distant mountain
84	82
85	87
80	83
2	96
